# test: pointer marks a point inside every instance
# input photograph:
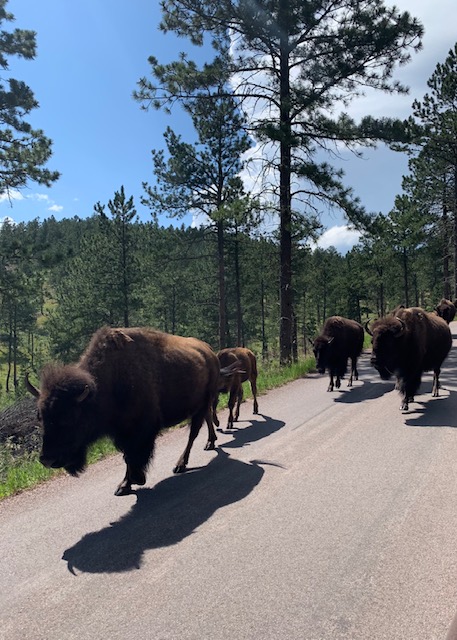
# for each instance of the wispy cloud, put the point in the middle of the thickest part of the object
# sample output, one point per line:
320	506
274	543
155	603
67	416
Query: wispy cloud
56	208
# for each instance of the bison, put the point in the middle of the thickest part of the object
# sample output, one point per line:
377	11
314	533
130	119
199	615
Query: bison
446	310
340	339
129	384
234	384
408	344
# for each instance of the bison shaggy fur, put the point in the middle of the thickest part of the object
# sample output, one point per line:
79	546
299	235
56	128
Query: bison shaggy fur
129	384
446	310
408	344
340	339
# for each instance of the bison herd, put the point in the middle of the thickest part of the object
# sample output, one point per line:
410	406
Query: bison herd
131	383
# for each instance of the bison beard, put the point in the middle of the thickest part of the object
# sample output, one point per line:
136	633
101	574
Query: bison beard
128	385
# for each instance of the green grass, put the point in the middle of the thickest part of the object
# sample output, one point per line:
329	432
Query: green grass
19	474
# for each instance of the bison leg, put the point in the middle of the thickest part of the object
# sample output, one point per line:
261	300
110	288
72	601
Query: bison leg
354	373
408	389
132	476
195	425
136	457
212	437
231	403
338	382
239	400
214	408
135	474
254	394
436	383
330	386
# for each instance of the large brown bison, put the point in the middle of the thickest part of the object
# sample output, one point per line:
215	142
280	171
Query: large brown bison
446	310
340	339
128	385
408	344
234	384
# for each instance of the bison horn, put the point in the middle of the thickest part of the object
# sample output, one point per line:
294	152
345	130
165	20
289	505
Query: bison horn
84	394
30	388
402	327
367	328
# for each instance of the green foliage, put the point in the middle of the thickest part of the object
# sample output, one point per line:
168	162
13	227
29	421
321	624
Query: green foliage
23	150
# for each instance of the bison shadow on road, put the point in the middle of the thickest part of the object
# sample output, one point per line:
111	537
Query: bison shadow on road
164	515
366	391
441	411
254	431
433	412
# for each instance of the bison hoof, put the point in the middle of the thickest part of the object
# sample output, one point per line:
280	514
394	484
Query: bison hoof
210	446
123	490
180	468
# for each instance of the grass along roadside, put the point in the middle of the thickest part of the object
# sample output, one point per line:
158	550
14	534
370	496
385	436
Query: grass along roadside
24	472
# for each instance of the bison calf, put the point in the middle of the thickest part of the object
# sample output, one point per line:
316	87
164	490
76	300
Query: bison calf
408	344
340	339
128	385
234	384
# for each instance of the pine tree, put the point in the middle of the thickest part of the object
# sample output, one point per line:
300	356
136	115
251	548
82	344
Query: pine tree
23	150
293	63
436	115
202	177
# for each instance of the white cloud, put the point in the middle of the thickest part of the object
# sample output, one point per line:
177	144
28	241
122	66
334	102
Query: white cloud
6	219
10	196
341	237
56	208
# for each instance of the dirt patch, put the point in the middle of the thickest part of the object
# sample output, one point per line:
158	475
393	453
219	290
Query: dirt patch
19	427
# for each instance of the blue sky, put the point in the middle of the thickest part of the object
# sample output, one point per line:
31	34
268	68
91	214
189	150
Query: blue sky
90	55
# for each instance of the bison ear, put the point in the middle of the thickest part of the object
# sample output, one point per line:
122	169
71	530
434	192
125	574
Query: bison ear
30	388
82	396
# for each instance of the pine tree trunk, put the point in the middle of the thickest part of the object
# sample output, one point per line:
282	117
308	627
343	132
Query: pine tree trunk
455	229
286	300
221	271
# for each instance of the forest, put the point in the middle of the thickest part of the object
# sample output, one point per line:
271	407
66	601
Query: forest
227	280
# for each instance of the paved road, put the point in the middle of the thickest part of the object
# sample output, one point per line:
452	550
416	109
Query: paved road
329	516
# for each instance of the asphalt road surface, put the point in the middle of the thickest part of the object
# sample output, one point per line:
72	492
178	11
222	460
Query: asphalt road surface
329	516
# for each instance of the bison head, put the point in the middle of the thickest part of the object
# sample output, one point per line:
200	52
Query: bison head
322	349
65	405
386	334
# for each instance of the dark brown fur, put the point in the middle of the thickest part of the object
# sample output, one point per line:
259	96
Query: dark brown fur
446	310
341	338
234	384
128	385
408	344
